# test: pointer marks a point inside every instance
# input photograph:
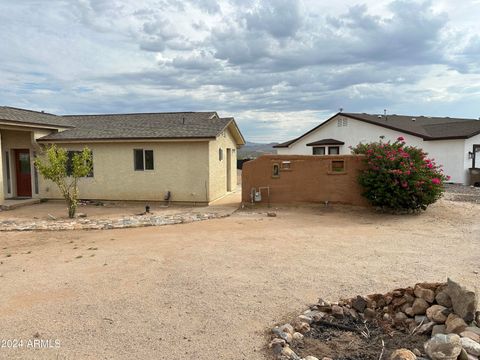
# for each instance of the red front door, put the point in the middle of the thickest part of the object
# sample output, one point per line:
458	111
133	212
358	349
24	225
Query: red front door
23	172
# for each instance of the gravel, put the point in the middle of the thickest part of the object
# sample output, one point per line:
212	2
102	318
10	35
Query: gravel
462	193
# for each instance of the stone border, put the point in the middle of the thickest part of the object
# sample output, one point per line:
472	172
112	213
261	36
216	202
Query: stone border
107	224
445	311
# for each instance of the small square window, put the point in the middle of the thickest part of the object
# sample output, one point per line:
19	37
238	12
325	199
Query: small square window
338	166
318	150
333	150
286	165
143	160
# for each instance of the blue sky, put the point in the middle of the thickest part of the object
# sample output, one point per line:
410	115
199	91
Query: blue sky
278	66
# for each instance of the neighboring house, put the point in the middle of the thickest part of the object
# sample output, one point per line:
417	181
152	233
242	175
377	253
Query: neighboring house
192	155
451	142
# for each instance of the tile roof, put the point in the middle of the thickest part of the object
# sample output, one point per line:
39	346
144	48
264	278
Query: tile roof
426	127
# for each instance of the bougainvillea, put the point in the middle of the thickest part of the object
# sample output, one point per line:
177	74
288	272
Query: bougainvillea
399	177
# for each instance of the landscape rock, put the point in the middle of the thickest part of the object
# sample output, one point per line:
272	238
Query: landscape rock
277	345
470	346
302	327
400	317
464	301
287	328
297	336
359	303
443	347
438	329
369	314
438	313
470	335
282	334
409	311
420	306
443	299
305	318
403	354
310	358
425	328
473	329
289	353
419	319
425	294
455	324
337	311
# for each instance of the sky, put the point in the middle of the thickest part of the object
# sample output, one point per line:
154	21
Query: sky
280	67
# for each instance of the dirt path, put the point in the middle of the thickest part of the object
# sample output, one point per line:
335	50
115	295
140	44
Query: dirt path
211	290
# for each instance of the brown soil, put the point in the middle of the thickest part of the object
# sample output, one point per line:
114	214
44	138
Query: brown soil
323	341
214	289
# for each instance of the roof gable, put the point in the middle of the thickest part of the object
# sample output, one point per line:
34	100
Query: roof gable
427	128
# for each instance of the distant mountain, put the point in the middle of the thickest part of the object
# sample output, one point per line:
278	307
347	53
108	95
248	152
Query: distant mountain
253	150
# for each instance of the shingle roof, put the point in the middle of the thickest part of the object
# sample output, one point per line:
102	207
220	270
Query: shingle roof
326	142
426	127
30	117
168	125
142	126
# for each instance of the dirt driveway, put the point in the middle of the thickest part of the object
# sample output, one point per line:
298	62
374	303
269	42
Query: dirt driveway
212	289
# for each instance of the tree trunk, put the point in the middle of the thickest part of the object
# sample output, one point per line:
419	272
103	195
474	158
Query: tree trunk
72	208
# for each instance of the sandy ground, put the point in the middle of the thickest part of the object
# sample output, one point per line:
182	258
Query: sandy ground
212	289
115	209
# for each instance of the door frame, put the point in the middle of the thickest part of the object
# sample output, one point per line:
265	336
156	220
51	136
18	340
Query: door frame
28	192
229	169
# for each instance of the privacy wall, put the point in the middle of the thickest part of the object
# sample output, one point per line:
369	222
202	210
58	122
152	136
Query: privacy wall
303	179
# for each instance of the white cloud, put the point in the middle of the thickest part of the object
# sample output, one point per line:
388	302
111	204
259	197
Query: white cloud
279	67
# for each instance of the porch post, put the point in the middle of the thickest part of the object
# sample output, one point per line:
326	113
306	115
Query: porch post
2	180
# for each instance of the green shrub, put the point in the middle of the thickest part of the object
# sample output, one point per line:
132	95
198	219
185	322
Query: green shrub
399	177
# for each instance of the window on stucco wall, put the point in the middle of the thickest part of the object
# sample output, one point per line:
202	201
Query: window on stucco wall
333	150
318	150
143	159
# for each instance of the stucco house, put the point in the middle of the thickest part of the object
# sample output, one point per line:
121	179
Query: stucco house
189	155
453	142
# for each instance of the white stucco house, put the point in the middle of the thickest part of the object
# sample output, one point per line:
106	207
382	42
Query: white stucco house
452	142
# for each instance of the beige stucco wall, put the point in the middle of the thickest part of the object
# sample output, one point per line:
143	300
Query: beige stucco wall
218	169
2	172
179	167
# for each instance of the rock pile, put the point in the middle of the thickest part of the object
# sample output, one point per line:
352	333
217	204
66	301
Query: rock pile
445	312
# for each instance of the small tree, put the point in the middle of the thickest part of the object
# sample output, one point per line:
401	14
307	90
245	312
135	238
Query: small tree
399	177
65	171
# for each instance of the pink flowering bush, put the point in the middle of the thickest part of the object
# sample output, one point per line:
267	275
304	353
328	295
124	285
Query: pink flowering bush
399	177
